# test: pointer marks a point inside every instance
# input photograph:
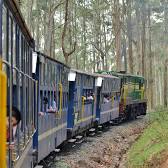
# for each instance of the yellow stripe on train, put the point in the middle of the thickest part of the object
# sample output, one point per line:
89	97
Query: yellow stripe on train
3	84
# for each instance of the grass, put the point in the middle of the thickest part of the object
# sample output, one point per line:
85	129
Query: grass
152	142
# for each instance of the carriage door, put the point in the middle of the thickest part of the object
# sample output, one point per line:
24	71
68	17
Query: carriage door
98	85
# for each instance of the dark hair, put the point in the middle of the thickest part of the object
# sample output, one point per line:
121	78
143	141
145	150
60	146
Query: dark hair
45	100
15	113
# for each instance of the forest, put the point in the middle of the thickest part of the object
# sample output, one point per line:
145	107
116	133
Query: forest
117	35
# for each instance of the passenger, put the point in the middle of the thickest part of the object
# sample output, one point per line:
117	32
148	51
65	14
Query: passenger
16	118
105	99
51	109
90	97
118	96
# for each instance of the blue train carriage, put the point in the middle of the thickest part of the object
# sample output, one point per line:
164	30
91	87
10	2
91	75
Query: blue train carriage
108	97
16	47
52	77
82	102
133	98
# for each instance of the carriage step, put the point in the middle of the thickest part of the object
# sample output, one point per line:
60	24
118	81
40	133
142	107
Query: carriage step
73	146
78	137
38	166
57	150
92	134
72	140
100	126
111	122
79	142
92	130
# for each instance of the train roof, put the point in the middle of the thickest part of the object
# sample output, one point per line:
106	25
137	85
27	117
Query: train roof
52	59
106	76
83	72
121	74
95	74
14	8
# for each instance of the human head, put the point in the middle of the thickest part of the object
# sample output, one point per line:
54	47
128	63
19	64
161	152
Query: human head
16	116
106	96
45	100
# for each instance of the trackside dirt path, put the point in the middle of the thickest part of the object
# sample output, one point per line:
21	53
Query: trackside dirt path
107	150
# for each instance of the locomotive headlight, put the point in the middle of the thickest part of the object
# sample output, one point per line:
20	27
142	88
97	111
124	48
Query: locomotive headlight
34	62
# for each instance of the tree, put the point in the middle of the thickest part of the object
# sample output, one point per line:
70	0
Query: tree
66	54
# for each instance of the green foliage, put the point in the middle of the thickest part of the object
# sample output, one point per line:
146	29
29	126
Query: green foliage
92	24
152	142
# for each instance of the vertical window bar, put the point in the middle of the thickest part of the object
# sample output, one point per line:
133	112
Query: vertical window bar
9	88
18	82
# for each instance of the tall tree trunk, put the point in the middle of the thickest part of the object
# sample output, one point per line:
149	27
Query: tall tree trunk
75	33
66	54
29	12
165	3
138	47
129	30
165	82
124	49
143	36
38	27
105	46
84	39
117	33
50	27
150	61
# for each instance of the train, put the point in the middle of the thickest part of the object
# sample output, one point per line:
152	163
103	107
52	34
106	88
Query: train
56	102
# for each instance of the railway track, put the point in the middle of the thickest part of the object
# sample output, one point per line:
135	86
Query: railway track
105	148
